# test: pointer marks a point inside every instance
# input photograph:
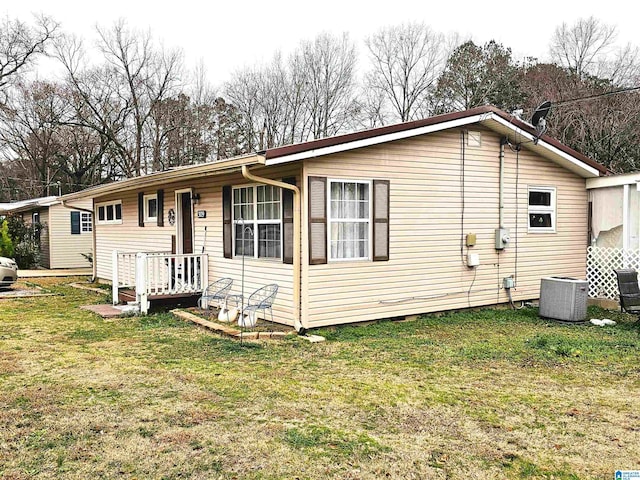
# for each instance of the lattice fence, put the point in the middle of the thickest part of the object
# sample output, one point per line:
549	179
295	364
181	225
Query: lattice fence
601	262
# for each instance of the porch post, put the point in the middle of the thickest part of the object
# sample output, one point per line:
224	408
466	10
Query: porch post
141	282
114	277
204	278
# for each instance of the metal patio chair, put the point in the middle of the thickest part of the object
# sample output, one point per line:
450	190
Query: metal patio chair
261	299
215	292
629	290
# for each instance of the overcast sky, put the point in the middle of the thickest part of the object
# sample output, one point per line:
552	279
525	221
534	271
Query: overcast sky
231	34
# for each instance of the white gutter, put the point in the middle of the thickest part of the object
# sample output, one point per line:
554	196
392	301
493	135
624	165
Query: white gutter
613	180
181	173
297	321
390	137
484	118
590	171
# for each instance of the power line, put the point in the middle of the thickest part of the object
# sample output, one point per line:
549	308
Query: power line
596	95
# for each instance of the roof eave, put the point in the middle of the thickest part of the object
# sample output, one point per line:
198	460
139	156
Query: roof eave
169	176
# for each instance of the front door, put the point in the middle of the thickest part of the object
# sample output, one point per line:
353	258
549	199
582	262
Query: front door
185	223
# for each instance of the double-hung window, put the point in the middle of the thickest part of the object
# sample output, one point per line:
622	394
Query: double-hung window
257	221
542	209
349	219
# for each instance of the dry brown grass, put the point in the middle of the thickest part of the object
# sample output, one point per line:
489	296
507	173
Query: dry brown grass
487	395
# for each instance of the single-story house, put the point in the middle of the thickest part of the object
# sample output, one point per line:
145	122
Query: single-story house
453	211
66	235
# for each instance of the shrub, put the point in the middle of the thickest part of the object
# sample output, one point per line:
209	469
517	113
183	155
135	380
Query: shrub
6	244
24	240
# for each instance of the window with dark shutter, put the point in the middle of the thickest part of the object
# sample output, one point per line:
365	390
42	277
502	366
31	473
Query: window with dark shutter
75	223
227	238
380	220
287	222
141	209
317	220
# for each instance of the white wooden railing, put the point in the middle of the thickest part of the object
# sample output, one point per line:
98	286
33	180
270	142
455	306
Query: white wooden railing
601	263
158	273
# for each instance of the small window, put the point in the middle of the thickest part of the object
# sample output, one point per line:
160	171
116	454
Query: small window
542	209
151	208
349	220
86	224
109	212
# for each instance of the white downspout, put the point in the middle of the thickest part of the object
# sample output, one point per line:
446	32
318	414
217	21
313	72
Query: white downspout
297	321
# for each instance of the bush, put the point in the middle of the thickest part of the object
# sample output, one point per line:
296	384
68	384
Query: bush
20	241
6	244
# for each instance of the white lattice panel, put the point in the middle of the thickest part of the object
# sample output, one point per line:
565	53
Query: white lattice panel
601	263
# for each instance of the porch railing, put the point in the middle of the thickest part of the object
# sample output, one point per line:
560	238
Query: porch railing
158	274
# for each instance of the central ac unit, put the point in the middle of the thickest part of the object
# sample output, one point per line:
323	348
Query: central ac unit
563	298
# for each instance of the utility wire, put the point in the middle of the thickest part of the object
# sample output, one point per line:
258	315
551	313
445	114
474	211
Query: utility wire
595	95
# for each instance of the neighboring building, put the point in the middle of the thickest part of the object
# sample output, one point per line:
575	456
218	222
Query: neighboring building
614	231
66	236
388	219
614	205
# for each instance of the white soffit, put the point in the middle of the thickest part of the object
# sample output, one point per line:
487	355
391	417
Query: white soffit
558	156
567	161
366	142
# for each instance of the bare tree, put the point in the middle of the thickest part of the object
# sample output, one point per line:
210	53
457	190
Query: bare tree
28	126
20	44
120	95
407	60
330	64
582	46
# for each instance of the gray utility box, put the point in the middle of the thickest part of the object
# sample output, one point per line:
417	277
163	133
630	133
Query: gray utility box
564	298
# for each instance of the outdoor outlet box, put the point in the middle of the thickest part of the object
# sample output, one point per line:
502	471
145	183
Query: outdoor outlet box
508	282
502	238
473	260
471	239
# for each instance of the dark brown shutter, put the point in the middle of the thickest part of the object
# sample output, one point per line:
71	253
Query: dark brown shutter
227	237
141	209
160	207
380	220
287	222
317	220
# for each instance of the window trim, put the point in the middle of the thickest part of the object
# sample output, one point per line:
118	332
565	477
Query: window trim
145	200
255	222
551	209
370	220
86	224
115	221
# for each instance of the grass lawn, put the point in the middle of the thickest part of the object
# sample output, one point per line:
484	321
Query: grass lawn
492	394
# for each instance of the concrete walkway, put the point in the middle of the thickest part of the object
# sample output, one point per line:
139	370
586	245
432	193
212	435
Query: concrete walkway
58	272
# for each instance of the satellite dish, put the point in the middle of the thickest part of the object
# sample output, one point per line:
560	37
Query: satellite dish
538	119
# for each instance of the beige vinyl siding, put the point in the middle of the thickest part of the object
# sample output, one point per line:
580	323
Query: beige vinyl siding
131	238
427	268
66	249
